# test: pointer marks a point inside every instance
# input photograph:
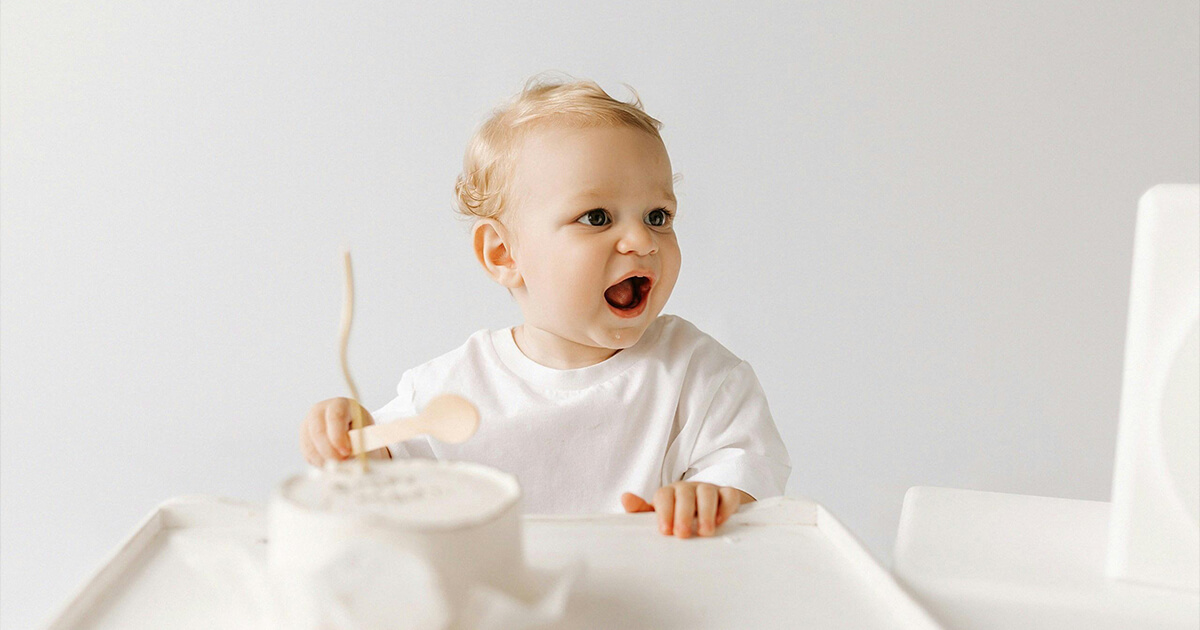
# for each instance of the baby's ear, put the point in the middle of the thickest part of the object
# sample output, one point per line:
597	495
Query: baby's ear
494	251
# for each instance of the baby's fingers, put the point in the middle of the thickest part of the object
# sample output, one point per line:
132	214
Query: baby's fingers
337	421
706	508
685	509
664	504
729	503
317	437
633	503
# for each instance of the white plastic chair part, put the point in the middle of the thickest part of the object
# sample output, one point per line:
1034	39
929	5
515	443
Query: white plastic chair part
1154	529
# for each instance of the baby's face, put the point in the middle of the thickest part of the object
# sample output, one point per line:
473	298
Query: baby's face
594	240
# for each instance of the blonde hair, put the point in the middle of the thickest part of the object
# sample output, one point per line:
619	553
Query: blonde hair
481	190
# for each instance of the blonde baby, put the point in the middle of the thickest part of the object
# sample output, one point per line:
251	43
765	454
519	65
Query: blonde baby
597	401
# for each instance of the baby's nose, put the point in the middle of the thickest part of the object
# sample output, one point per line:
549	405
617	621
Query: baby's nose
637	240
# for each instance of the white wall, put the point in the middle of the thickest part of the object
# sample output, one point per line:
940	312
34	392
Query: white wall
914	221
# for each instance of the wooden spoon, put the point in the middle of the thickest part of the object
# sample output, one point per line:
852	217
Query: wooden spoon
447	418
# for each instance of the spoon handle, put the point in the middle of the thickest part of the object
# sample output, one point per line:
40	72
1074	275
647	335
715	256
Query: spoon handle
380	435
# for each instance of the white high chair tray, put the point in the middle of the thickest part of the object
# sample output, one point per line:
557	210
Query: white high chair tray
779	563
996	561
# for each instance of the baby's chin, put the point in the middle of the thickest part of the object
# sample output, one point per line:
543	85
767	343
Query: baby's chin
618	338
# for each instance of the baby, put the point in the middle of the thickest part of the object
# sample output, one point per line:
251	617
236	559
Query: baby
595	400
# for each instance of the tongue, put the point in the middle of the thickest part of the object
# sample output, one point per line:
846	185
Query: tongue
621	294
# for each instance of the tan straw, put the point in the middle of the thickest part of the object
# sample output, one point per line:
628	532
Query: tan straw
347	318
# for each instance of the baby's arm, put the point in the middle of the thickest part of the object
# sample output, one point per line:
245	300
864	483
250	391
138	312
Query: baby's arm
684	503
734	455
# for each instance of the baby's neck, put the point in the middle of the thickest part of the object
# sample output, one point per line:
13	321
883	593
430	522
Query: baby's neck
550	350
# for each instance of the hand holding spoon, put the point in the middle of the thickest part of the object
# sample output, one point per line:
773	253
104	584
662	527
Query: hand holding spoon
447	418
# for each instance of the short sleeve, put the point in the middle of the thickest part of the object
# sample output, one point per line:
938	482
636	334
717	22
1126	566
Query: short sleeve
403	406
738	444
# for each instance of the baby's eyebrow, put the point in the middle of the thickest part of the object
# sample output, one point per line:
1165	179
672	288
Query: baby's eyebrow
589	193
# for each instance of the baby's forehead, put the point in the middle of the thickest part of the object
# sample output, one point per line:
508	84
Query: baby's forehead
586	153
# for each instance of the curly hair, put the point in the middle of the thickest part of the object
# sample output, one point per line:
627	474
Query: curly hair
480	190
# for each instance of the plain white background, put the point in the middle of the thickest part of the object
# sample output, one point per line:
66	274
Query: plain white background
914	220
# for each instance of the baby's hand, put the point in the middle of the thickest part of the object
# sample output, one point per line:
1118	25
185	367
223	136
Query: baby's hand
325	433
683	502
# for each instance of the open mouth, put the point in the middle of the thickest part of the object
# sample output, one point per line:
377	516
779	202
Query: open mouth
628	296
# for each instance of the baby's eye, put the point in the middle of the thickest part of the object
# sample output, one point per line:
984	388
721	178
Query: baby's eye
594	218
659	217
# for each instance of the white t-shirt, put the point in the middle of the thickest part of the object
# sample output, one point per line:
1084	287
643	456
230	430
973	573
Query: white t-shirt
674	406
